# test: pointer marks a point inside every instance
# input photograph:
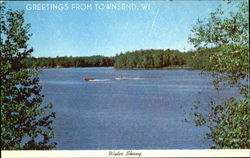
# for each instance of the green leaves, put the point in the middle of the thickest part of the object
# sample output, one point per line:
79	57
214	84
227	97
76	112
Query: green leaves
23	121
150	59
227	34
228	123
222	28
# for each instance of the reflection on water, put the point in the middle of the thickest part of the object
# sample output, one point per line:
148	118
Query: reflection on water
126	109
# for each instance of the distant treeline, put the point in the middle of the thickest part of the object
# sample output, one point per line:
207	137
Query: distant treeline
146	59
48	62
201	58
141	59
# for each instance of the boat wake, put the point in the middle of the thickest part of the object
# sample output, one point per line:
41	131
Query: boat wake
126	78
98	80
118	78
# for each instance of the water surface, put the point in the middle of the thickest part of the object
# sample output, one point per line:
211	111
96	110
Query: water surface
143	111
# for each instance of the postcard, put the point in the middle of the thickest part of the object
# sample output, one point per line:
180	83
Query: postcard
125	78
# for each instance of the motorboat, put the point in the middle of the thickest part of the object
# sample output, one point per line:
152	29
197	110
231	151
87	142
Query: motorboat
88	79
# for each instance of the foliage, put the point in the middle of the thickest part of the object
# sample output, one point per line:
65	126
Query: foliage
149	59
228	34
48	62
141	59
25	123
228	123
200	58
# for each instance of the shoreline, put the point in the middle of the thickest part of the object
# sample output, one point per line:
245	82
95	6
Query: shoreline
60	67
162	68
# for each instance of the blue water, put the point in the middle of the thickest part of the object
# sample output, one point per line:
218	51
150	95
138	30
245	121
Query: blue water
144	111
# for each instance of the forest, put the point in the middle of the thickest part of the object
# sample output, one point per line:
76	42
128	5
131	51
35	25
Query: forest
140	59
145	59
49	62
148	59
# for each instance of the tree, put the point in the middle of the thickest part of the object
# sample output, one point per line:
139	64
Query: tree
150	59
228	32
25	122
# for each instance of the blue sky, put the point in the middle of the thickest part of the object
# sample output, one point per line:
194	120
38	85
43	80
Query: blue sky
98	31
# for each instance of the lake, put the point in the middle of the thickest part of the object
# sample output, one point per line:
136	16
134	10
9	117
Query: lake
126	109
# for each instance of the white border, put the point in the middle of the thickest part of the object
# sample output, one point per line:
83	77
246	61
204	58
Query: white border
105	153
